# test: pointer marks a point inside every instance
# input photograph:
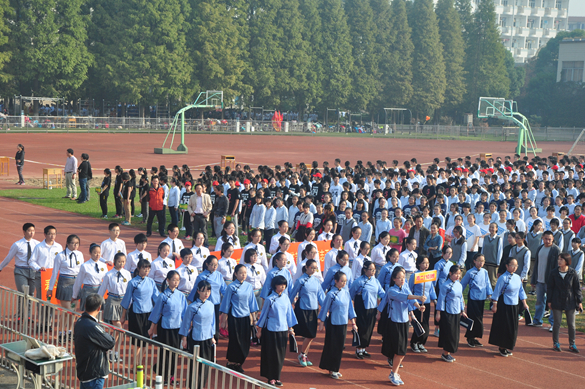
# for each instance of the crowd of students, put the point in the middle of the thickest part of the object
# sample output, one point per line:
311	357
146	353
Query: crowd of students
490	227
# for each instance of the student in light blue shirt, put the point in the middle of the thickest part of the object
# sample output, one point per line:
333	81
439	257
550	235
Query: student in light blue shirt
385	275
198	327
450	307
237	309
269	220
423	289
310	296
140	293
341	265
366	227
384	224
281	211
507	293
336	310
400	302
166	318
365	291
279	262
275	324
480	289
218	286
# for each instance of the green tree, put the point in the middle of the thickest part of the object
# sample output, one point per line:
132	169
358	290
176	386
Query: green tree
313	93
385	39
365	75
335	54
428	73
465	12
5	54
485	63
214	45
48	41
517	75
398	89
141	49
453	52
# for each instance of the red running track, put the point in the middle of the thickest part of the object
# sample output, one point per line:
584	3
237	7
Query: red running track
534	364
135	150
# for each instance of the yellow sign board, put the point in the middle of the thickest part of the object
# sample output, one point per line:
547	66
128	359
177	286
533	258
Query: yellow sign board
425	276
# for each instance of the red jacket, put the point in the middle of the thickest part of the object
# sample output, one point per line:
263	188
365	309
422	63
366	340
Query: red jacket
577	223
155	198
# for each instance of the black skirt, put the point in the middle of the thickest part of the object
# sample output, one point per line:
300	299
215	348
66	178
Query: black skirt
239	339
504	326
475	313
449	332
423	318
333	347
216	336
206	352
382	322
272	353
170	337
138	323
307	322
365	321
395	339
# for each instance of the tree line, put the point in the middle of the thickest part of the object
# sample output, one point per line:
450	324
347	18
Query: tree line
301	55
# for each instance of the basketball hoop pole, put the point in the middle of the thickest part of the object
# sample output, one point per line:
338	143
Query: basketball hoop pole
204	100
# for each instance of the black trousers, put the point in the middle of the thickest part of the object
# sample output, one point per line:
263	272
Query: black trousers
174	212
268	233
160	216
104	204
200	225
144	209
119	206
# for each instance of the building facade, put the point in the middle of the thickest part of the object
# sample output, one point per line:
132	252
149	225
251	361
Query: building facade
571	60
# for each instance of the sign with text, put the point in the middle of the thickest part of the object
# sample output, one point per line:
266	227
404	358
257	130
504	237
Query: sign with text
45	279
425	276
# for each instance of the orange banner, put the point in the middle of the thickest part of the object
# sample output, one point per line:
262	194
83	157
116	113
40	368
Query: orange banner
323	246
45	279
425	276
236	255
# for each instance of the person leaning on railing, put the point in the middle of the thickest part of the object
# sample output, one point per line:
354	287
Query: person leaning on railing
91	346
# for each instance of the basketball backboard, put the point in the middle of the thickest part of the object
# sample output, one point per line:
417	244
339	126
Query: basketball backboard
494	107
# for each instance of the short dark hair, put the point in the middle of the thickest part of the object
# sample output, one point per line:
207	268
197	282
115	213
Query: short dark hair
112	226
26	226
140	238
567	257
49	228
93	302
70	151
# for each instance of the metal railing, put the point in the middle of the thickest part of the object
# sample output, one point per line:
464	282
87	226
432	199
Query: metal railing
23	316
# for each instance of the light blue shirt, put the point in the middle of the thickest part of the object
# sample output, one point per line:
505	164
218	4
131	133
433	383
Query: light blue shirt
417	289
479	284
141	293
369	288
510	286
218	286
267	287
385	275
202	315
329	280
381	226
442	267
434	241
270	218
451	298
277	314
174	197
239	300
170	306
366	231
309	291
281	214
339	307
398	304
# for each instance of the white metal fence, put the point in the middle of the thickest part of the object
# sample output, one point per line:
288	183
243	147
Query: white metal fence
23	316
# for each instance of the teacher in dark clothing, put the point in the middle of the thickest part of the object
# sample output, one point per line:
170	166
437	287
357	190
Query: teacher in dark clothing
85	174
19	158
91	346
564	295
420	233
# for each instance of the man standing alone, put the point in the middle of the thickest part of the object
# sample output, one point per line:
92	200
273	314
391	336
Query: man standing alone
70	172
91	346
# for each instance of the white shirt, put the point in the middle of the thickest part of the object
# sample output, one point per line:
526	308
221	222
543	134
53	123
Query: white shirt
159	268
408	260
198	202
379	254
178	246
44	255
317	274
114	284
274	242
90	274
352	247
133	258
330	259
226	267
111	248
200	254
262	260
471	233
255	276
325	236
358	264
301	248
67	263
19	251
188	276
230	239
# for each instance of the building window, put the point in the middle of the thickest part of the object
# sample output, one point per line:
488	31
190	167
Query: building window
514	22
503	22
504	2
532	3
528	44
530	23
513	42
572	71
559	4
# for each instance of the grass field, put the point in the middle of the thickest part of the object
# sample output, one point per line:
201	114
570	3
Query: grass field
53	199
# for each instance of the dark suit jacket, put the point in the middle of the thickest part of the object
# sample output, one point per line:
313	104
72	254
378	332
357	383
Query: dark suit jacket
552	263
424	233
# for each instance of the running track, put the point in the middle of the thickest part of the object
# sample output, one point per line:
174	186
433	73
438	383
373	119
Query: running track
533	365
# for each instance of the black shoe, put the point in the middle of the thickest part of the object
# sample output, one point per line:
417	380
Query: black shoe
239	369
391	363
359	355
477	344
366	354
148	235
532	293
471	343
546	314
